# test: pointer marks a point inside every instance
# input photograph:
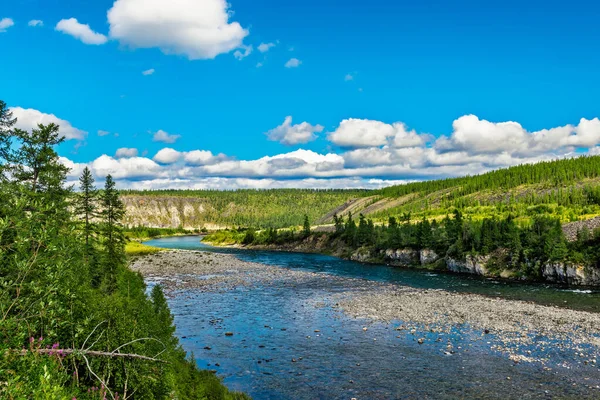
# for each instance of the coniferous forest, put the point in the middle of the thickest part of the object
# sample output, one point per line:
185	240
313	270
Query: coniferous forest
75	322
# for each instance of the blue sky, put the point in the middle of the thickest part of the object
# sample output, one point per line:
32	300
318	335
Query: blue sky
404	76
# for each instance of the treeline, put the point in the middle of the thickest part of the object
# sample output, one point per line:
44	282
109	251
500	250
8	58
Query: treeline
276	208
553	173
522	249
566	189
75	322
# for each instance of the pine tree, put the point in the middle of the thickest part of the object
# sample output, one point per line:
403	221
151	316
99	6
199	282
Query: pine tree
112	232
6	123
36	163
306	227
86	209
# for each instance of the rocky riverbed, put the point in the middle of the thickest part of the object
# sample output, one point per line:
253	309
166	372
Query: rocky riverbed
524	331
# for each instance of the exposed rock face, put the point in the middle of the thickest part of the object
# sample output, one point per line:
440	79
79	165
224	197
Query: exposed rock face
471	265
428	257
167	212
403	257
571	274
361	255
570	230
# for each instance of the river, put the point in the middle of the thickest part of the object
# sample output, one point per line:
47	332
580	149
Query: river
289	343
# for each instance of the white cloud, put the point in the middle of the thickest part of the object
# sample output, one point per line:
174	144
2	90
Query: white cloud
103	133
6	23
125	152
349	77
125	168
373	154
80	31
247	51
198	29
28	119
359	133
478	136
148	72
35	22
293	63
291	135
162	136
259	64
190	158
203	157
264	47
167	156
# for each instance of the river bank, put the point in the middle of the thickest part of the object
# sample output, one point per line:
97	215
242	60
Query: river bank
522	331
491	266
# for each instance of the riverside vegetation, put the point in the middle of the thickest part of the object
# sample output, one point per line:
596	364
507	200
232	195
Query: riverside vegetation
517	232
75	321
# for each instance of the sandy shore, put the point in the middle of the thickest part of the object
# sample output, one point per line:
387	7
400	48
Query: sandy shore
522	330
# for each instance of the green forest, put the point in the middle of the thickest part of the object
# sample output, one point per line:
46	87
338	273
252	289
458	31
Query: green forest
276	208
75	321
567	189
520	250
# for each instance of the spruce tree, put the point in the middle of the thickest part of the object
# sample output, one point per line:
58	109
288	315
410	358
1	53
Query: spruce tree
86	209
6	123
306	227
113	212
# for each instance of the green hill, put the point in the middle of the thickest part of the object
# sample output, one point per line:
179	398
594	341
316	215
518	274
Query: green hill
566	189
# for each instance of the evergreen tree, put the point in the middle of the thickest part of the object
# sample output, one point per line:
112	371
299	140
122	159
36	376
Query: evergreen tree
112	232
86	209
306	227
338	223
6	123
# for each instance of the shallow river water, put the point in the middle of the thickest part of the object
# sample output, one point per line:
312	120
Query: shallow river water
290	342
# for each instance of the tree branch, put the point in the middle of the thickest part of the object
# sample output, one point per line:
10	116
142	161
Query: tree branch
92	353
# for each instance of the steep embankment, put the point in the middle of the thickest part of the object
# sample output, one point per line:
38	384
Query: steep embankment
491	265
227	209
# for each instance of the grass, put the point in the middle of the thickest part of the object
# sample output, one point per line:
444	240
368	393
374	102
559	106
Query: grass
140	249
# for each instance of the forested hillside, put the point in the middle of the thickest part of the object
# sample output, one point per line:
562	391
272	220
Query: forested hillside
75	321
199	209
568	190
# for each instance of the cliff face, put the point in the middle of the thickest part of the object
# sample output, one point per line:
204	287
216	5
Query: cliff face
167	212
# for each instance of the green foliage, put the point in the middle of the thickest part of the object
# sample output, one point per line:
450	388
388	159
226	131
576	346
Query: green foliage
261	209
306	226
140	249
49	299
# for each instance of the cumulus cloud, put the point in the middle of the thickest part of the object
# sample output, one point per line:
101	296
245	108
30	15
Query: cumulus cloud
371	154
359	133
167	156
103	133
125	152
291	135
162	136
6	23
293	63
35	22
148	72
197	29
80	31
28	119
264	47
125	168
478	136
190	158
349	77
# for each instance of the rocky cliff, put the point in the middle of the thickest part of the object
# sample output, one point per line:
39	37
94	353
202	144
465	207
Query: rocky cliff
168	212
